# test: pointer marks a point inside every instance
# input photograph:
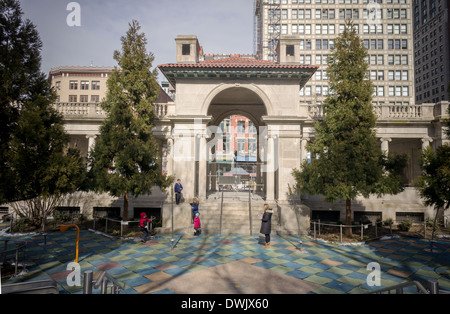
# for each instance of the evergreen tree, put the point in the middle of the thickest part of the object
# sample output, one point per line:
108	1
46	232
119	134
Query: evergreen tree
124	160
346	157
33	157
434	182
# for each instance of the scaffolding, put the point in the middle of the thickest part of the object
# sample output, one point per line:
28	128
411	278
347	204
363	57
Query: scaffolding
270	11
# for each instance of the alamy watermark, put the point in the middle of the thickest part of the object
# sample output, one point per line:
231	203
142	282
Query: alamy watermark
374	13
374	278
74	277
74	17
198	142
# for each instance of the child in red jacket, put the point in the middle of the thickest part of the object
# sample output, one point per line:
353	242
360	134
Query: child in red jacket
143	223
197	224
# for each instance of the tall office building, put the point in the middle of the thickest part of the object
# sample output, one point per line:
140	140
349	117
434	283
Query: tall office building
385	26
431	50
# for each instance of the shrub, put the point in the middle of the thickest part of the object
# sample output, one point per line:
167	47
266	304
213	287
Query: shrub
388	222
405	225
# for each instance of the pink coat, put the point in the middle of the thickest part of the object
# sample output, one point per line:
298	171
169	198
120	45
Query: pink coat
197	223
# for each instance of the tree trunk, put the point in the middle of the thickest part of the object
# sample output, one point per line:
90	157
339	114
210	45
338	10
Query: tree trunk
348	217
125	207
434	224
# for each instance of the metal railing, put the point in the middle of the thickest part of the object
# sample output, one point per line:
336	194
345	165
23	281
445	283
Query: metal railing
102	282
243	188
108	221
20	247
374	230
317	228
16	223
433	288
34	287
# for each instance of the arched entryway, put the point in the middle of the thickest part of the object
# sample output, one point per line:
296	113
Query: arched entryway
236	145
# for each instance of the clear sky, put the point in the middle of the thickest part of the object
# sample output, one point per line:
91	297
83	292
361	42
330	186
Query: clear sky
222	26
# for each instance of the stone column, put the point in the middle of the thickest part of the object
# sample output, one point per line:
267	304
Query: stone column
202	171
213	171
303	151
91	141
385	144
426	141
169	156
270	169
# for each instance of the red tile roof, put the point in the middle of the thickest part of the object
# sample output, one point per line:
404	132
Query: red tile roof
236	62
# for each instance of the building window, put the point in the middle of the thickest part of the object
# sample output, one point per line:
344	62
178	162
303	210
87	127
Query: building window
241	127
251	127
73	85
289	50
305	91
95	85
84	98
318	90
415	217
186	49
391	91
318	75
84	85
95	98
405	91
294	28
72	98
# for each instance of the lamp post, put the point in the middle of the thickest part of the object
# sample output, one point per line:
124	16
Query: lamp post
65	228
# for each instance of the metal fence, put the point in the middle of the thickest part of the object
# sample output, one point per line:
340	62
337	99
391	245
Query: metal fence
13	256
111	226
374	230
20	224
116	227
432	287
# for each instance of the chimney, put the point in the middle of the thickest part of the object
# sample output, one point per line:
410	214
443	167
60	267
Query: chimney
288	49
188	49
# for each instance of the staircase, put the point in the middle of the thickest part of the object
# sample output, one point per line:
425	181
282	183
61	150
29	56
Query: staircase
235	217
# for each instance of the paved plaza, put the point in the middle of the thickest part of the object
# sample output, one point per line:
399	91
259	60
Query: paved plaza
235	264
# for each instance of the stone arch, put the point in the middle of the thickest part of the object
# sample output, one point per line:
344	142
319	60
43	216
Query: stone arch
219	118
248	90
247	100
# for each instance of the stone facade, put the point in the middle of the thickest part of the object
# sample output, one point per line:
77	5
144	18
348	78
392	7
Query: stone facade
208	90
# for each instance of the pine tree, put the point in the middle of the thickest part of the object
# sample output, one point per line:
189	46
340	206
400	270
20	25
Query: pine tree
125	157
346	156
19	71
34	161
434	182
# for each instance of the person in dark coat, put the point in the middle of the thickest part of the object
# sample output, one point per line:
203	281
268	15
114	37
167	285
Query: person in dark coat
266	224
178	188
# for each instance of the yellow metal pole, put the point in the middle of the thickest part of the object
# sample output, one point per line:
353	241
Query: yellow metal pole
64	228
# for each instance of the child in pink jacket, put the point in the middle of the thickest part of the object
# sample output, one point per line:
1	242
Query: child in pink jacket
143	223
197	224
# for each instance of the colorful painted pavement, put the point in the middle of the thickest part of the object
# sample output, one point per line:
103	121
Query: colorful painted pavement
217	264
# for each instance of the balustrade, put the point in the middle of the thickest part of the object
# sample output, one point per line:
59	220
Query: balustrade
94	110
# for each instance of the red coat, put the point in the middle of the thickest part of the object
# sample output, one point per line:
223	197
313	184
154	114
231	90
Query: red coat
144	220
197	223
